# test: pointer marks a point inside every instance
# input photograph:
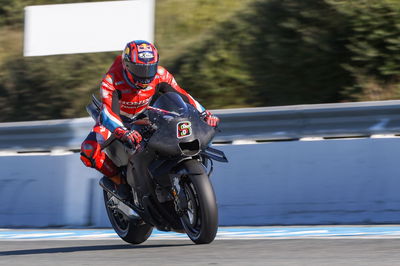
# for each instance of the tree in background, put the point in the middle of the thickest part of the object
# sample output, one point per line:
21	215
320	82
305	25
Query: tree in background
275	53
50	87
225	53
298	52
374	44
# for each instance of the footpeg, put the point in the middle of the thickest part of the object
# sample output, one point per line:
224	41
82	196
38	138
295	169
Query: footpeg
108	185
115	202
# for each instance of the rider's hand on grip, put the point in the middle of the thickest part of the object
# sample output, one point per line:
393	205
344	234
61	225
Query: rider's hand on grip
132	137
211	119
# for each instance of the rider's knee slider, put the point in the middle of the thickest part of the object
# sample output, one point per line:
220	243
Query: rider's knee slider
88	152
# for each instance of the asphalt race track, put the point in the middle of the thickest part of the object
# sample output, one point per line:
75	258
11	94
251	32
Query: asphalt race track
317	245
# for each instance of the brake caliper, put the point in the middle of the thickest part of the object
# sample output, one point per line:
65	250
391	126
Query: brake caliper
179	195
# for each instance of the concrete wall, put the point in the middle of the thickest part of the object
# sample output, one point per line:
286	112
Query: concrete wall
296	182
317	182
43	190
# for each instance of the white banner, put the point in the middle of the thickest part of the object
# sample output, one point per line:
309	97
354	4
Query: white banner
87	27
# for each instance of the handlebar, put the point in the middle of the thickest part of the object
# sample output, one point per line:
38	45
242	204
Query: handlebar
146	131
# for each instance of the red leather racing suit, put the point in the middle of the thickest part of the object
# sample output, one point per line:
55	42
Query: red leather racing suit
123	101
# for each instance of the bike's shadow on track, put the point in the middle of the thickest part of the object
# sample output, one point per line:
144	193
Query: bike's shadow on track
83	248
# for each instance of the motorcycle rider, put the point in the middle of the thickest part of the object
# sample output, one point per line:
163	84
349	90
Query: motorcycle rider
133	81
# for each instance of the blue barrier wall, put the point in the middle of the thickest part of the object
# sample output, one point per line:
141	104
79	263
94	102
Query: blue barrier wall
310	182
43	190
343	181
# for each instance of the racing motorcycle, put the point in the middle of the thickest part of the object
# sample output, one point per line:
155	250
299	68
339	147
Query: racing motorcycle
168	173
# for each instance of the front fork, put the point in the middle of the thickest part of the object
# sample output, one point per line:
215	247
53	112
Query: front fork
178	193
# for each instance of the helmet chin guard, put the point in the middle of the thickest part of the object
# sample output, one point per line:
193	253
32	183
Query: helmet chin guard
140	60
137	82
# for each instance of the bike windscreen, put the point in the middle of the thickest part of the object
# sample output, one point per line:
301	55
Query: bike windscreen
171	102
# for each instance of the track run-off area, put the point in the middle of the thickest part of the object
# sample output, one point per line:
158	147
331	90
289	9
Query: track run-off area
270	245
270	232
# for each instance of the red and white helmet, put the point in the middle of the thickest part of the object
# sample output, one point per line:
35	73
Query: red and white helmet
140	61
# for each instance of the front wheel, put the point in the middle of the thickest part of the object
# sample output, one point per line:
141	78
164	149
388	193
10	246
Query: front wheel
130	230
200	219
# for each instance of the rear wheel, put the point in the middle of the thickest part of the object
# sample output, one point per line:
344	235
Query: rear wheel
131	230
200	219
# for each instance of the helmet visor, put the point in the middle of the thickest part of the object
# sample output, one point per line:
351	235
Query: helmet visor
142	70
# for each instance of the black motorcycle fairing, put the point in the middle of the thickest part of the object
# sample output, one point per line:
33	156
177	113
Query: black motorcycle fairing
119	153
176	117
137	171
169	163
144	183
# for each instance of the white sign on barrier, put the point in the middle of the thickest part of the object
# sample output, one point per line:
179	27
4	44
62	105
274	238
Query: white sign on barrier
87	27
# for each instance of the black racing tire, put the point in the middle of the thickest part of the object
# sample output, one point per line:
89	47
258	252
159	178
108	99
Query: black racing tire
201	220
127	229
